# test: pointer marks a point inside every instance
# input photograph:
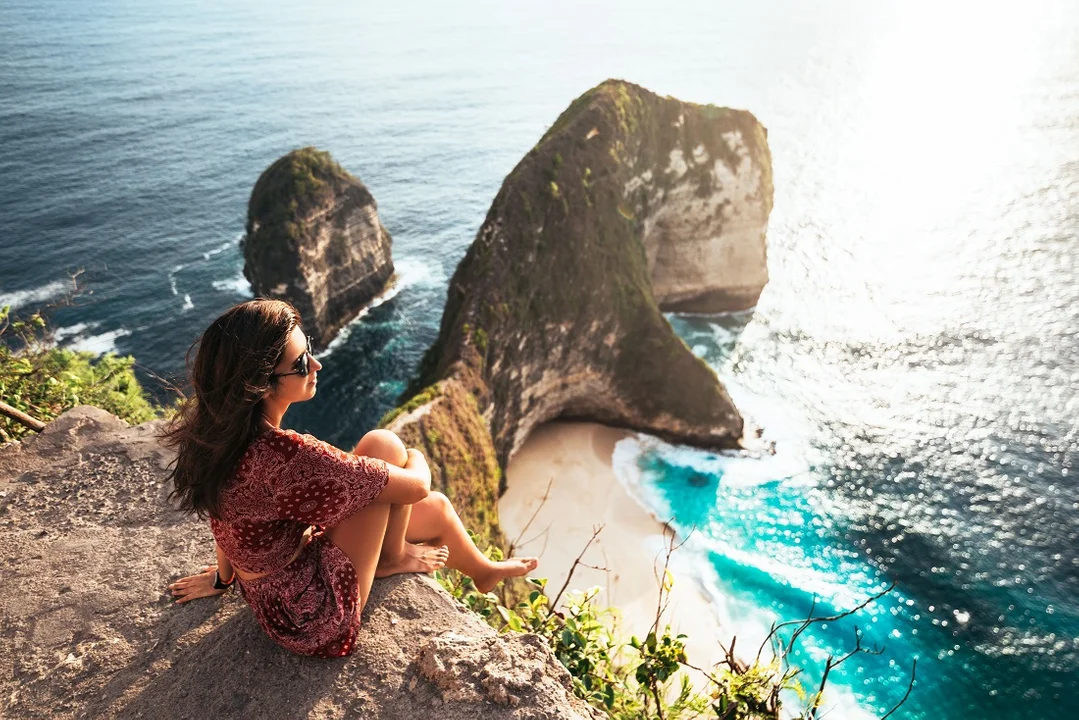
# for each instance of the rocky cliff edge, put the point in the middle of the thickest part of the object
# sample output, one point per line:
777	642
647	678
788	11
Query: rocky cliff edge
87	629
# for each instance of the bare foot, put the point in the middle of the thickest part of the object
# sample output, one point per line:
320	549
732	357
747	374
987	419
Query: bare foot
417	558
499	571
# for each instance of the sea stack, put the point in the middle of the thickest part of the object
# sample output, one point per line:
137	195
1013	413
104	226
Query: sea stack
631	204
314	238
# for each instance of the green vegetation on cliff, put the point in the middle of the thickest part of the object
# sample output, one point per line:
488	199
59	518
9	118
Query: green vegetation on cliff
648	674
44	381
291	187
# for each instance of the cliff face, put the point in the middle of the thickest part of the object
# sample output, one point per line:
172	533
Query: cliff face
314	239
704	214
87	629
630	204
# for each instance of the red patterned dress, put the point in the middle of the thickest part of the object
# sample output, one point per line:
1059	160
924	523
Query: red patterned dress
285	485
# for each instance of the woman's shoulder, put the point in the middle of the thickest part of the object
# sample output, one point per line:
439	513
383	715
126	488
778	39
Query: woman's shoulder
273	446
288	443
301	449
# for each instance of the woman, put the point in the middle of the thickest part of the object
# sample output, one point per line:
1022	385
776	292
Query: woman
304	526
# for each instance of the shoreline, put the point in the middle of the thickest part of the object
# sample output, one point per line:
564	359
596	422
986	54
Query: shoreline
575	458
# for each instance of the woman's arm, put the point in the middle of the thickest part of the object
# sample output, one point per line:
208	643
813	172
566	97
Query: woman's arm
224	565
408	484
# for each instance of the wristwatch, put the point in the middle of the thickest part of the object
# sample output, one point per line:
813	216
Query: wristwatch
218	585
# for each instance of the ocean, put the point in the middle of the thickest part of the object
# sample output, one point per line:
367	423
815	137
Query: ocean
914	357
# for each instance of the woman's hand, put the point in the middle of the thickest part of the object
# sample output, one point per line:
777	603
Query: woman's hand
196	586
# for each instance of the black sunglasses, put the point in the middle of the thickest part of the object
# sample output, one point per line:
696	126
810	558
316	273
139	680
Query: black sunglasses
301	364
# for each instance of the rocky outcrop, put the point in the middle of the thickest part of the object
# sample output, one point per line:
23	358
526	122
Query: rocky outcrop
314	239
703	214
629	205
87	628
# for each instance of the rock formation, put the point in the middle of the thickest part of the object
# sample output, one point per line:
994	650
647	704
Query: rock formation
314	239
87	628
629	205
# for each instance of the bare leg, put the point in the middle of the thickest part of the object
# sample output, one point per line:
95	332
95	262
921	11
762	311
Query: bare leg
434	521
360	536
408	557
398	556
374	538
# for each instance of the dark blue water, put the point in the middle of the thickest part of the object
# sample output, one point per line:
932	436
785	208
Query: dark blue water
914	357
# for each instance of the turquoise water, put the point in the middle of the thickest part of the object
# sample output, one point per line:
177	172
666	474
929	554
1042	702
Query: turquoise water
826	522
914	357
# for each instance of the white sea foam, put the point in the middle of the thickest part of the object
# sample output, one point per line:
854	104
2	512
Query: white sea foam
723	336
172	278
742	617
841	596
690	562
35	296
99	344
188	305
414	272
236	284
63	333
342	335
222	247
747	622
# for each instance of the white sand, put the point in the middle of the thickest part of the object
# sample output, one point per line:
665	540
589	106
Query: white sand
584	493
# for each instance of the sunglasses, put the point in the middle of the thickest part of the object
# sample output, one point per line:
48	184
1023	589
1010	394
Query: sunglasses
301	364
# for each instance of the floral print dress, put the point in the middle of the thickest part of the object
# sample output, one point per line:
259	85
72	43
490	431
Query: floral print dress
286	485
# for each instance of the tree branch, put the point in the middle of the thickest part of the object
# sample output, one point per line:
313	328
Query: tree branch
806	622
910	686
20	417
663	600
543	501
596	530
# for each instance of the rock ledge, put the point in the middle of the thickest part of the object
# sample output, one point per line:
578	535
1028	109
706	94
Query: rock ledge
87	629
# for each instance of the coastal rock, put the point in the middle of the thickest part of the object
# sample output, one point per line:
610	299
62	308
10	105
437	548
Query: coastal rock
630	204
314	239
87	629
505	670
704	216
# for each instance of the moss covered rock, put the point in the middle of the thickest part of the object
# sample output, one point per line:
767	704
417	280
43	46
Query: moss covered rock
314	239
630	204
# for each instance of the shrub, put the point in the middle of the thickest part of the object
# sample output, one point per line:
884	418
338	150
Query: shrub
44	381
647	678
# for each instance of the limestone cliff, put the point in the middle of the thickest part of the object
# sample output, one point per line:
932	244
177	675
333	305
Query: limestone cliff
630	204
87	629
314	239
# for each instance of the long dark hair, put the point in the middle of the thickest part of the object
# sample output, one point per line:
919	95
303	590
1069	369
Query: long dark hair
233	369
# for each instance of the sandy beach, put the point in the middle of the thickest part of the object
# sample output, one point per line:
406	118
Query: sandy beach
575	458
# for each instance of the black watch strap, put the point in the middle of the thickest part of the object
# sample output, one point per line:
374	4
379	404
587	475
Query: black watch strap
218	585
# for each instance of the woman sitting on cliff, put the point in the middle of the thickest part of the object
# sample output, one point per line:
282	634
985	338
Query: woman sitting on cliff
304	526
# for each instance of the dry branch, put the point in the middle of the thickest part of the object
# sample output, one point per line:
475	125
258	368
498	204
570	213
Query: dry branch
596	530
20	417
